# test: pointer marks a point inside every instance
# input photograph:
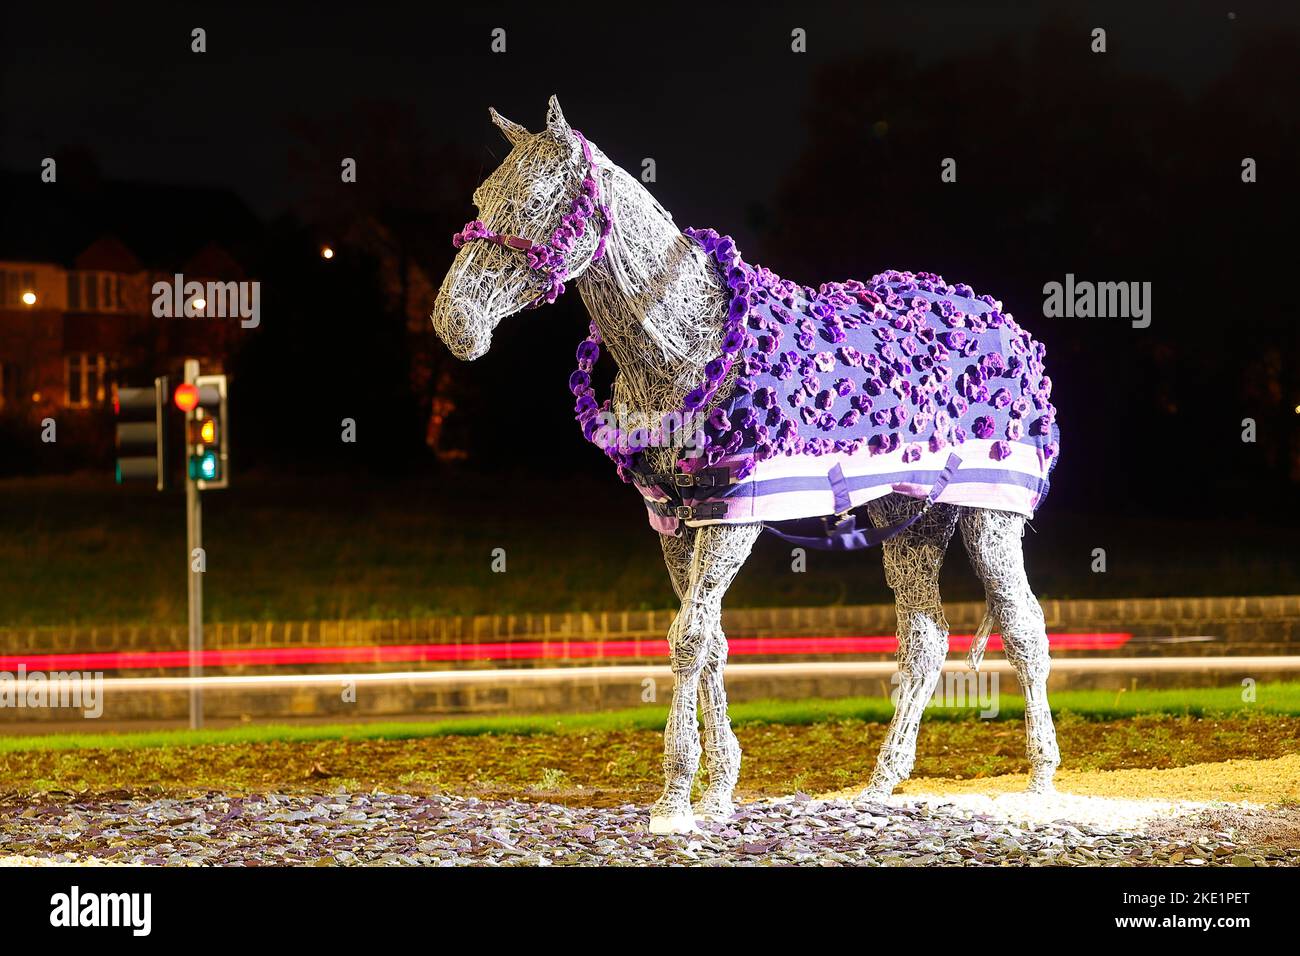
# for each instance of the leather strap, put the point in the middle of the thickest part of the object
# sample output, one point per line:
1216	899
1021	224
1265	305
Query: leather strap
705	478
704	510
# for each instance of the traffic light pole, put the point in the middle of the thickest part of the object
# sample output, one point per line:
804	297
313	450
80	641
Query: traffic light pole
207	461
193	540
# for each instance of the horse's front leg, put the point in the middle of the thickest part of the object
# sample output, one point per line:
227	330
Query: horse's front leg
694	640
721	748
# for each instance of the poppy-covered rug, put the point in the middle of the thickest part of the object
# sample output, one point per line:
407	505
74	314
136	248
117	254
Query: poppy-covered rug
854	390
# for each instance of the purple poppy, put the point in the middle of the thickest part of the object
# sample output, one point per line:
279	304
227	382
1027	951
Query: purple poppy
579	382
983	427
732	341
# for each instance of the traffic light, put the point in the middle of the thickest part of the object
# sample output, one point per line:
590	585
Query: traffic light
141	433
207	456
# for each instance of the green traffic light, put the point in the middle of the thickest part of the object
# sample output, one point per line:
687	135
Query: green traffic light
204	467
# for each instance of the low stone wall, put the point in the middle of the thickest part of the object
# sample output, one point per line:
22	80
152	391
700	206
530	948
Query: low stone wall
1183	627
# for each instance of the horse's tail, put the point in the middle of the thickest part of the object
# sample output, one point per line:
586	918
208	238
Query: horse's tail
981	639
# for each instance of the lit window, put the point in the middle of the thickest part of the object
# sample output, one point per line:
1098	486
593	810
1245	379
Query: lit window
84	376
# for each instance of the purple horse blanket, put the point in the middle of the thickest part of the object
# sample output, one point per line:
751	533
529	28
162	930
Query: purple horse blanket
853	390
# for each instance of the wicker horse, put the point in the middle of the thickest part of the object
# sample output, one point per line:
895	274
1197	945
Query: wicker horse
744	401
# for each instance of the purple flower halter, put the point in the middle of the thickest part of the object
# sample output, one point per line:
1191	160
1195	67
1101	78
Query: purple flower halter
551	258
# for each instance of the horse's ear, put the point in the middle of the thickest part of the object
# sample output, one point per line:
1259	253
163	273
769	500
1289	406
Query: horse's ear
512	131
555	121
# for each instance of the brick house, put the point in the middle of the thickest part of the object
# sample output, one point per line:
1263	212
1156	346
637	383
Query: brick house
77	269
66	333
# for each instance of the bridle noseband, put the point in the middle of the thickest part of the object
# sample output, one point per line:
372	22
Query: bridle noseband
551	257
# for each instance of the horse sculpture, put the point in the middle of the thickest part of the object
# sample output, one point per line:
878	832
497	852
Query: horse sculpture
744	401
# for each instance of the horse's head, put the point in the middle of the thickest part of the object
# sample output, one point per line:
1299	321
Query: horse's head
540	221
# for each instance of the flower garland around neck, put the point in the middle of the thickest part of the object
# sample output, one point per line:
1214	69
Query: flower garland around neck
623	445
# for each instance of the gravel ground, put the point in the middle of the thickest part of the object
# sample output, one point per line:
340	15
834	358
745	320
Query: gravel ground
403	829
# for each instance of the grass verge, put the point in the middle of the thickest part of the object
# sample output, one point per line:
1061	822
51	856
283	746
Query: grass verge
1280	699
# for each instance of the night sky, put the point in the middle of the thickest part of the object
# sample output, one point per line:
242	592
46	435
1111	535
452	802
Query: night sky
655	79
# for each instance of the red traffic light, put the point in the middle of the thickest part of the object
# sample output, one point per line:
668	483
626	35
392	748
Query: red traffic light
186	397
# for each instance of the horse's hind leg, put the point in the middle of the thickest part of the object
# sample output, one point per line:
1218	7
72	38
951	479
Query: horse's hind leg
912	562
718	553
993	543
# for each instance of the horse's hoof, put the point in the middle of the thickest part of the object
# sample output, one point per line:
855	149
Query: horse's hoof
874	795
714	810
677	823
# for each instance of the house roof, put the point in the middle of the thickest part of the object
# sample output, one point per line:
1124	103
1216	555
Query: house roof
109	254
